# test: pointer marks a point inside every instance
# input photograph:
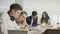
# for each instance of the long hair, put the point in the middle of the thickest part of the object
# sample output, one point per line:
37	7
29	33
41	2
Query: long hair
45	19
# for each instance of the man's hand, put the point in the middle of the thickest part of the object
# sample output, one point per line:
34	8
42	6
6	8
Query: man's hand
30	26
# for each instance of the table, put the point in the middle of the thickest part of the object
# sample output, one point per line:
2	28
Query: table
22	31
52	31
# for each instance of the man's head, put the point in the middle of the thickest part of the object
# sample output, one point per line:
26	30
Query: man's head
34	14
15	10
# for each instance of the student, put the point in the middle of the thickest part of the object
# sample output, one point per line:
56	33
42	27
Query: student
32	20
44	23
45	20
21	20
8	18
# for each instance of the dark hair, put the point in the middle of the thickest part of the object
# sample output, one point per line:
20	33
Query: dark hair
34	13
46	17
23	12
16	7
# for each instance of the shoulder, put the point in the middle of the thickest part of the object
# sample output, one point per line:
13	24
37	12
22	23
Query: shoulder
5	16
28	17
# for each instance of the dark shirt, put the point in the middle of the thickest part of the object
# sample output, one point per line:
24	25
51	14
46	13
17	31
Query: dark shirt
29	20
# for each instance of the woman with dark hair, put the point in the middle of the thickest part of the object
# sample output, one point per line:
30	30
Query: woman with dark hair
45	20
8	18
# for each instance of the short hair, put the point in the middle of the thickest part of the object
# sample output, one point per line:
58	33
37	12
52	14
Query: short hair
34	13
15	6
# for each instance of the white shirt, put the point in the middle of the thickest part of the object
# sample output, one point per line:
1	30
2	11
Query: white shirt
32	22
7	24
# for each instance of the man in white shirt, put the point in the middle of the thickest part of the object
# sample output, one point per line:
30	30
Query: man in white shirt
8	18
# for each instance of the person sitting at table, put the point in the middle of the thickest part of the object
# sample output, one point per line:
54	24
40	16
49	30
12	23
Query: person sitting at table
45	20
44	23
32	20
8	18
21	20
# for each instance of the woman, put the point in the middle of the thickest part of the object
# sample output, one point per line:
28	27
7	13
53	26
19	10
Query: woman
45	20
44	23
8	18
21	20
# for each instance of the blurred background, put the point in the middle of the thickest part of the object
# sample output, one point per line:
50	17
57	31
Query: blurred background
52	7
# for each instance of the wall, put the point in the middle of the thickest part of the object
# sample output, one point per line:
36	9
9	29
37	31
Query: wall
4	4
19	2
51	6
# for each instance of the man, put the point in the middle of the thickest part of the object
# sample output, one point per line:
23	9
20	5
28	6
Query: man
8	18
32	20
